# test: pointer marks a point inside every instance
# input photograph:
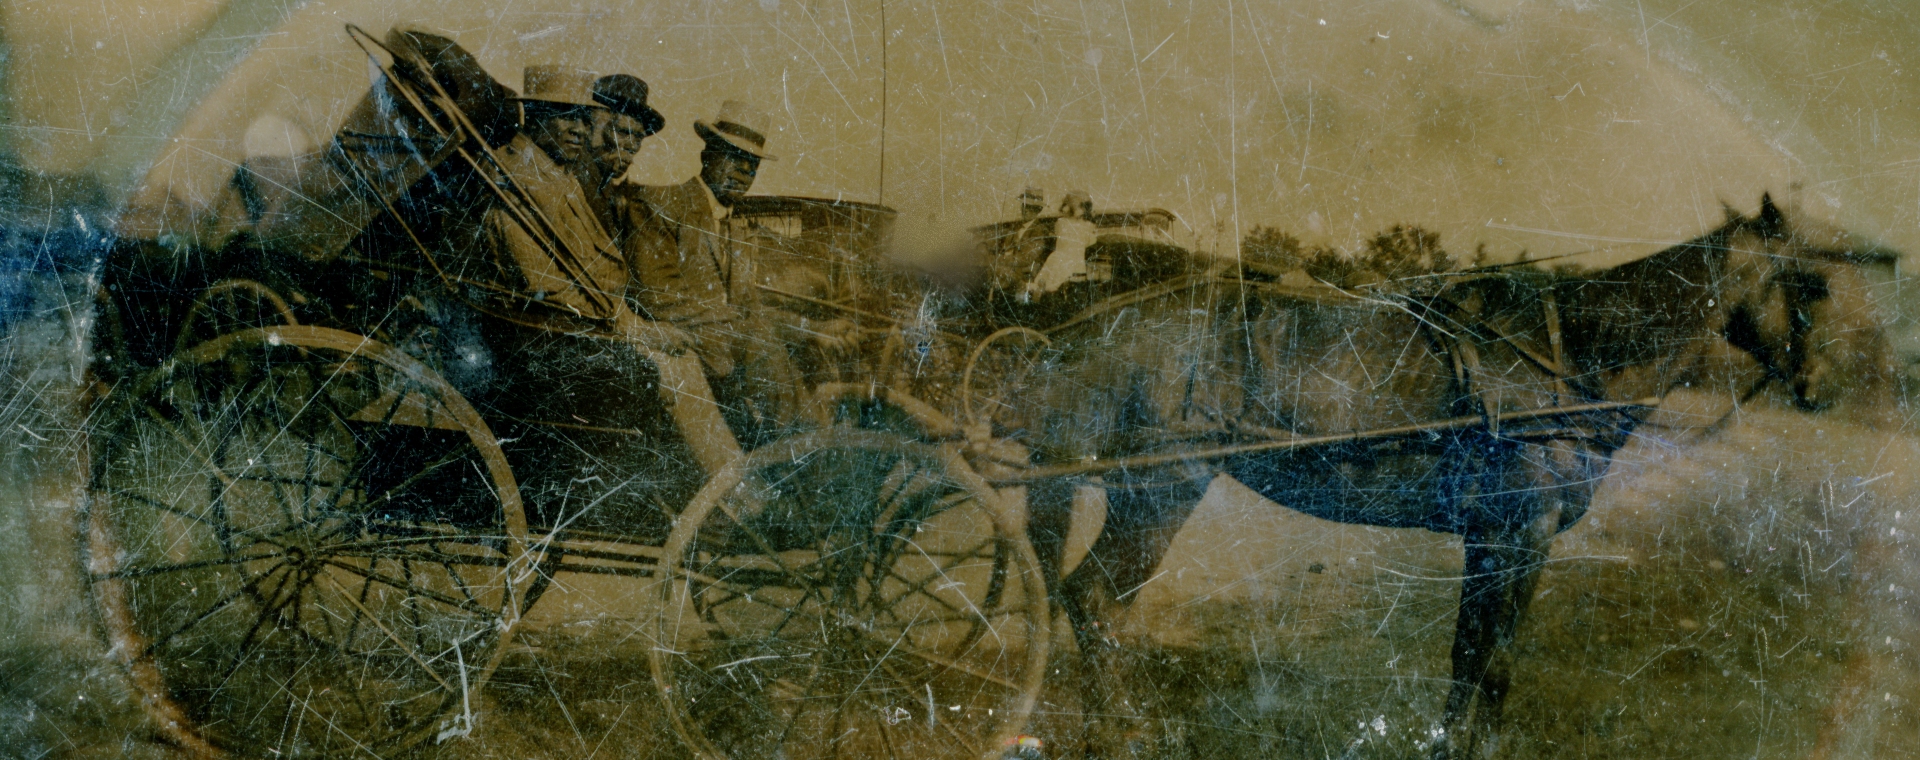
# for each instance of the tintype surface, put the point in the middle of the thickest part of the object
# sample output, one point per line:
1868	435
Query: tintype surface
849	379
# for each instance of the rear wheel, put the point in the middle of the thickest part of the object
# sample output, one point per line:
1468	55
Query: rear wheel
303	543
849	594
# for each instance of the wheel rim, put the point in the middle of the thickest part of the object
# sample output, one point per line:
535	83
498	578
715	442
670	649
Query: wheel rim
278	583
849	594
229	306
1011	357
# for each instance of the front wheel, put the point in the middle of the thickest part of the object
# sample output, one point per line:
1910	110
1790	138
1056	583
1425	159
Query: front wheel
849	594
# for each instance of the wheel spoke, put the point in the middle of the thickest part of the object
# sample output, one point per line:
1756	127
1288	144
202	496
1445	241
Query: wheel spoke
411	654
450	457
156	504
267	612
176	567
408	587
939	571
247	589
766	547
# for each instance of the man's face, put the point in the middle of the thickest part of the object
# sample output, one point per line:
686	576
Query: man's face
616	140
728	173
563	133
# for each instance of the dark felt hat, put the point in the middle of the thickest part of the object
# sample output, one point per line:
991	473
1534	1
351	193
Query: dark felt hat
627	94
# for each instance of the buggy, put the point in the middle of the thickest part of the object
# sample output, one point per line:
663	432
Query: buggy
320	508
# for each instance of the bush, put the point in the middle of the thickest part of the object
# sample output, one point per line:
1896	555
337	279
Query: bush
1404	251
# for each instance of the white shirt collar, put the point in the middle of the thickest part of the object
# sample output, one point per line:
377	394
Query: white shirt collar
720	211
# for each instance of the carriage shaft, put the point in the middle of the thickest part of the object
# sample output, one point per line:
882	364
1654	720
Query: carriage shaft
1097	466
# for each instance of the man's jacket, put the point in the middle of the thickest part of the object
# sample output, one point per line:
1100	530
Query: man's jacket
532	269
684	268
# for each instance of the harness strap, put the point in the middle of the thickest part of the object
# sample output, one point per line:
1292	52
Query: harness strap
1550	306
1466	365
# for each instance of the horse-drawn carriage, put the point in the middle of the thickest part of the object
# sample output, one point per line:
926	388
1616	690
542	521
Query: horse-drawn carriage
319	509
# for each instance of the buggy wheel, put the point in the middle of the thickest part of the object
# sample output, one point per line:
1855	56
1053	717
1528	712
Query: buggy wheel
1001	369
849	594
302	543
229	306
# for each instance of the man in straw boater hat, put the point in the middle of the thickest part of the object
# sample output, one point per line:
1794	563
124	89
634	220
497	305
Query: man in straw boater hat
551	159
689	272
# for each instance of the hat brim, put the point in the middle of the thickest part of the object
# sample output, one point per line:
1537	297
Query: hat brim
708	133
651	122
559	102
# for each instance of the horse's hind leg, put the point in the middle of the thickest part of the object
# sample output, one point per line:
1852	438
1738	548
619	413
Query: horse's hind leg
1140	527
1502	566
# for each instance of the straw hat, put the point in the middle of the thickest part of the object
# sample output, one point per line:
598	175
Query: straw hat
740	126
560	84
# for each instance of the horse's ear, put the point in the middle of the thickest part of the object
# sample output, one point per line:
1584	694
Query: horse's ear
1772	222
1733	214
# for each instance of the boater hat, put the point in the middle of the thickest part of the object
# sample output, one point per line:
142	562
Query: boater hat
560	84
739	126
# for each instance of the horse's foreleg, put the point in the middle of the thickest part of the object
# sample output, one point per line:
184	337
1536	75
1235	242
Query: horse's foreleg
1140	527
1501	569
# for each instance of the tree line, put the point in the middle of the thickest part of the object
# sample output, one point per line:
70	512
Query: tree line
1404	252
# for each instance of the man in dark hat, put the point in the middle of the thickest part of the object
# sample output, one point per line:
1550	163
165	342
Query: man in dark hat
616	131
618	128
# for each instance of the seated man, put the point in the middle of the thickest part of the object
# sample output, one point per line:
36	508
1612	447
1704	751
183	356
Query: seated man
585	279
614	138
596	363
688	271
1046	252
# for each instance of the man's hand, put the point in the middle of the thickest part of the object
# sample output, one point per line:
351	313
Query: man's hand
835	339
654	335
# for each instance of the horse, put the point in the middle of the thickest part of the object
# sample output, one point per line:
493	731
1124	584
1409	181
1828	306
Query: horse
1462	368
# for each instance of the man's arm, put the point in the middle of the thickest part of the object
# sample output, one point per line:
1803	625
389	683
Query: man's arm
670	279
669	276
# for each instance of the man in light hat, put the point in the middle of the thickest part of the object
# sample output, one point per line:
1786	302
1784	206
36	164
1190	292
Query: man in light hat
549	159
687	271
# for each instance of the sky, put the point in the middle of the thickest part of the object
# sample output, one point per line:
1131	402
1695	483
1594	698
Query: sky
1601	129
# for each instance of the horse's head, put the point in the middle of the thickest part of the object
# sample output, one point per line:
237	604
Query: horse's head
1798	301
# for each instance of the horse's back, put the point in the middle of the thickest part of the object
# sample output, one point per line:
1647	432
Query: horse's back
1225	356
